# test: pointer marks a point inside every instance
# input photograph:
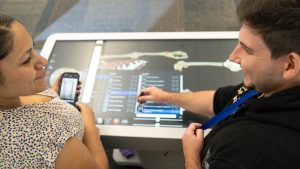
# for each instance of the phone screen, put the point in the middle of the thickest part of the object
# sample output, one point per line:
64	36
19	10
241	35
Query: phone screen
68	89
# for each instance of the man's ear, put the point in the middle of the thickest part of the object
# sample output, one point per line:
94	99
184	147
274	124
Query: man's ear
292	66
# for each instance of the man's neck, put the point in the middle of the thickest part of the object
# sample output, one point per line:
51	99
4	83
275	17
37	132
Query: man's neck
282	88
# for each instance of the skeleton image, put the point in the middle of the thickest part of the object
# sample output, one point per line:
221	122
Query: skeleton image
131	61
234	67
135	55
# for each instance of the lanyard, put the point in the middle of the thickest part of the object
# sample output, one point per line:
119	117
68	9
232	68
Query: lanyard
228	110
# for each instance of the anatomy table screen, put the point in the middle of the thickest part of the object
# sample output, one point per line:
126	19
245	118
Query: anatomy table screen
122	68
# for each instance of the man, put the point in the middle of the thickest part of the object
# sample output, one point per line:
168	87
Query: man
265	131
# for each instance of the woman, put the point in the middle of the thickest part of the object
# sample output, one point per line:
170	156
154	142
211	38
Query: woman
39	130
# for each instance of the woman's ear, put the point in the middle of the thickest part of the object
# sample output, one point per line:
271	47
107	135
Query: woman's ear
292	66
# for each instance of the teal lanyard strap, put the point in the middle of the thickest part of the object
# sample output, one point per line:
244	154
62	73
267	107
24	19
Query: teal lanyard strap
229	110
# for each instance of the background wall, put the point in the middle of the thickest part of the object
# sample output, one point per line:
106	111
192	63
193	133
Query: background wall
44	17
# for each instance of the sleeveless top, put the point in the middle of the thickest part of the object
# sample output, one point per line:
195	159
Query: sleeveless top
31	136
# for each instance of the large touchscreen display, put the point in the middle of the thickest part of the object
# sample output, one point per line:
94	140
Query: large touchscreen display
125	67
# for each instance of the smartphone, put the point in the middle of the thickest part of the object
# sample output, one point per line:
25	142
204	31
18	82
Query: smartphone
68	87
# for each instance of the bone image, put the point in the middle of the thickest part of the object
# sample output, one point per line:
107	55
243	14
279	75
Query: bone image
135	55
234	67
129	64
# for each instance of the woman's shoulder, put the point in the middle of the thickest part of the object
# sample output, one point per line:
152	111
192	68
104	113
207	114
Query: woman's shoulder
38	128
49	92
45	97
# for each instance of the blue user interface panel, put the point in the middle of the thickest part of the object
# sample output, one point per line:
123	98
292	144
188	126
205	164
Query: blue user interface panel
114	72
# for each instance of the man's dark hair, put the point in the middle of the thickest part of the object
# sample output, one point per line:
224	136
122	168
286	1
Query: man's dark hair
6	35
277	21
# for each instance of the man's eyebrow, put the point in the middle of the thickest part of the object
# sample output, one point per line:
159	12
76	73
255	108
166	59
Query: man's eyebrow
248	49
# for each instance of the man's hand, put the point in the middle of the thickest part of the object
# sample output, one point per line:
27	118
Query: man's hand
192	142
153	94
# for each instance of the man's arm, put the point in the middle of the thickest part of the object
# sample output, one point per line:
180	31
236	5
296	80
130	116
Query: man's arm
197	102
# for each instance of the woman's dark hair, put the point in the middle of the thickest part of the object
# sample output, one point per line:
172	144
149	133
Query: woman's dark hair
277	21
6	35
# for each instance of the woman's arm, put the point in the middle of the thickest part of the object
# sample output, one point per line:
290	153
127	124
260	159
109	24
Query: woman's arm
75	155
86	154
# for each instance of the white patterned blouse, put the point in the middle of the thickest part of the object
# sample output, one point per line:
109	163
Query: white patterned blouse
31	136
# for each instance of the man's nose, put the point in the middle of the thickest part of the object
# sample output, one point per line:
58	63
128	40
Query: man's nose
234	56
